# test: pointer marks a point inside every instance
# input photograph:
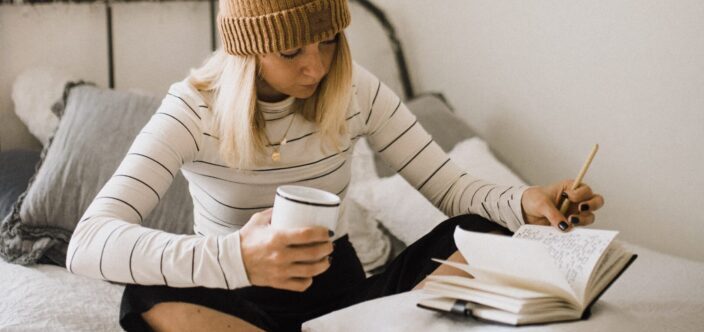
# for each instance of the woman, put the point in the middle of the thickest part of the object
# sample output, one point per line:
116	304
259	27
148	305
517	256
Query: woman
281	103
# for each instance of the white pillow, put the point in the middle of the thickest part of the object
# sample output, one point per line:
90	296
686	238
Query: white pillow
33	93
373	247
406	212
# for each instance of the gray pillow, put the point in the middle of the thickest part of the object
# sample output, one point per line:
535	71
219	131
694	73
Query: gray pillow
96	129
16	168
446	128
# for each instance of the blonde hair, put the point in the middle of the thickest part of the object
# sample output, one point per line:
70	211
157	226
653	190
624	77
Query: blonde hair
240	127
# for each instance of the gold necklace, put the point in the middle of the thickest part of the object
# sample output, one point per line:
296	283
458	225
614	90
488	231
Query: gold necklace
276	154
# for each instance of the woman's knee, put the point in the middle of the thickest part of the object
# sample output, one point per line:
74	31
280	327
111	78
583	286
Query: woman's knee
178	316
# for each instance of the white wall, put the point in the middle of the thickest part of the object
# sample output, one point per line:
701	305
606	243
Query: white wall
544	80
154	45
61	36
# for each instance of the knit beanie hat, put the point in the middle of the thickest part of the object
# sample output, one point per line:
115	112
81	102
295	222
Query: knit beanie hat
267	26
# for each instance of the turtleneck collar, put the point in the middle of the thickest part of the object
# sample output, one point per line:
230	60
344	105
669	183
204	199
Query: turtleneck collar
277	109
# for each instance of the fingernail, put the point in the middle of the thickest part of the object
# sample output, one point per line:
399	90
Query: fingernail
563	225
564	195
574	220
584	207
331	233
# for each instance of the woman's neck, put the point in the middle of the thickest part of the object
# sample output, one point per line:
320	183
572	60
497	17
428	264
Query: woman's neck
268	94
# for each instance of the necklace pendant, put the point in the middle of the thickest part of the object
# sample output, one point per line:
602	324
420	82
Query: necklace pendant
276	155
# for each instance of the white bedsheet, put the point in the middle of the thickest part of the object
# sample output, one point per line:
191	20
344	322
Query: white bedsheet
657	293
49	298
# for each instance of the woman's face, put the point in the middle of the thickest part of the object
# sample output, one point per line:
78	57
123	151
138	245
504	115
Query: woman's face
296	72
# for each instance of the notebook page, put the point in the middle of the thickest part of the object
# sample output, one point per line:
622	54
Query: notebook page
525	260
575	253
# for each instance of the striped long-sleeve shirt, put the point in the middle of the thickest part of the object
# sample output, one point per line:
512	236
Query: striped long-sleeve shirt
110	243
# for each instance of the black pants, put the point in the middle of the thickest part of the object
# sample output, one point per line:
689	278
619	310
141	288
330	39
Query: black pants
342	285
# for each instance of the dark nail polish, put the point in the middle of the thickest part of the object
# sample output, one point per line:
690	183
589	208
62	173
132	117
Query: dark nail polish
574	220
584	207
564	195
563	225
331	233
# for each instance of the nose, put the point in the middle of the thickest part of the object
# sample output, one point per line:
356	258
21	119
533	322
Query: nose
313	65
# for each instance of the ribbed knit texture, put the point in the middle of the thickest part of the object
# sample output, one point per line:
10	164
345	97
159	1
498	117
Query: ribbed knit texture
266	26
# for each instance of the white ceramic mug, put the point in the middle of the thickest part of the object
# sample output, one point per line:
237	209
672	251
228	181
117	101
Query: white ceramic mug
298	206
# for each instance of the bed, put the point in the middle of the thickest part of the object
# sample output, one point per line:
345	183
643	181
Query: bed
659	292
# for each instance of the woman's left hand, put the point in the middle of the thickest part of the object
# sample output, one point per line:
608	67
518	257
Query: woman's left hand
539	205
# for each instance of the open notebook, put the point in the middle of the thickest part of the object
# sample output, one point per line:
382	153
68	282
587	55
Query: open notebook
539	275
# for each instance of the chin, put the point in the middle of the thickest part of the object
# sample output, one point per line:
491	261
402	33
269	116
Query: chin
305	94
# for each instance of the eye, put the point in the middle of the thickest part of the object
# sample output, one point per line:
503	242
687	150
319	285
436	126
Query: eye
331	41
290	54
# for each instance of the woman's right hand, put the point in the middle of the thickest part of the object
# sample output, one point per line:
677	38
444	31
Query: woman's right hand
283	258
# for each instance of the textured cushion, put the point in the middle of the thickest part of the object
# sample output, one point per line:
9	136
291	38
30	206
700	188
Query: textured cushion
16	168
33	93
97	127
446	128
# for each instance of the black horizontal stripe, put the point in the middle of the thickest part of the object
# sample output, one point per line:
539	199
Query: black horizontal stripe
294	139
128	204
84	219
488	192
323	175
209	135
102	252
450	188
465	190
487	211
70	265
513	213
509	188
353	115
154	160
217	178
373	101
498	209
343	189
193	264
414	156
209	163
431	175
132	253
397	137
217	244
471	202
161	263
189	106
203	106
144	183
308	134
216	221
229	206
184	126
307	203
296	166
396	109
